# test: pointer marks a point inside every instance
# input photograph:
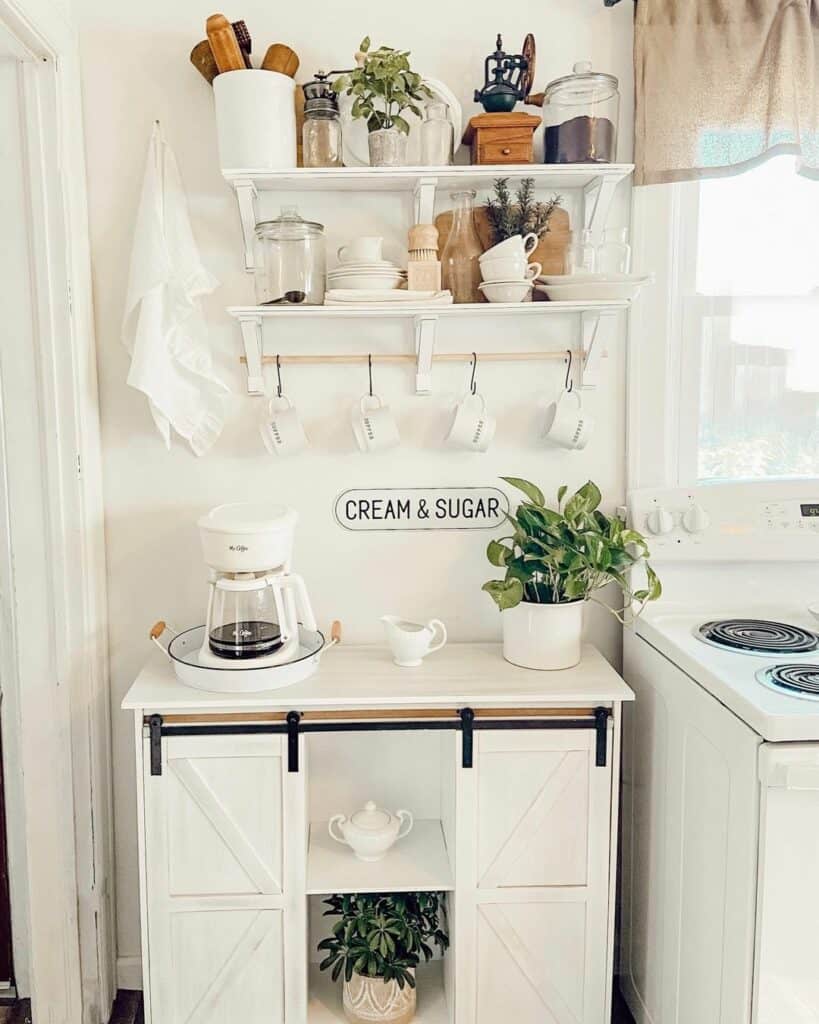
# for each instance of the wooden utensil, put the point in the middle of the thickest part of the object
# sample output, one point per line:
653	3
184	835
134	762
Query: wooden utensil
204	62
298	98
282	59
550	251
223	42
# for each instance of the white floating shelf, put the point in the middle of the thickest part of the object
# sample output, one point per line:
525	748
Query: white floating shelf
458	311
417	863
324	1006
597	182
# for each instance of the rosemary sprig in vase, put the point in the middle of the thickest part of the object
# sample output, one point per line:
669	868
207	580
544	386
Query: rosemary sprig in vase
521	215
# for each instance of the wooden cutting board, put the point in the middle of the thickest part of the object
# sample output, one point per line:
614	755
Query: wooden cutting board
550	251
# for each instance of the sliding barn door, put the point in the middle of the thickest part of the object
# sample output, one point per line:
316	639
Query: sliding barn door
225	928
533	885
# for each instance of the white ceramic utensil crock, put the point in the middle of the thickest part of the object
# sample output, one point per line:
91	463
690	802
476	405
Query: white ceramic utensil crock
371	831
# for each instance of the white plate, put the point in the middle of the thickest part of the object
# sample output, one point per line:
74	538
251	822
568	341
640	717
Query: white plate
184	649
375	264
379	271
366	282
605	290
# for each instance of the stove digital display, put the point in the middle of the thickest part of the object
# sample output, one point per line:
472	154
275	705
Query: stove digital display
811	510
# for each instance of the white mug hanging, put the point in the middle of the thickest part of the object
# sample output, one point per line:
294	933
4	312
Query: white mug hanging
566	424
373	423
281	427
472	427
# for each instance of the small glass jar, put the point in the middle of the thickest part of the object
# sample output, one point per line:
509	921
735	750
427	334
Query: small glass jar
581	256
614	255
460	269
321	133
580	115
295	260
437	136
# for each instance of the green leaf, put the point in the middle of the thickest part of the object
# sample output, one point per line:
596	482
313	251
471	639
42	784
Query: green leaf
401	124
364	46
561	493
498	553
505	593
534	494
591	495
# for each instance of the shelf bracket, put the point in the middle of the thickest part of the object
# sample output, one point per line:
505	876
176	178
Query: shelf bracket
591	345
597	197
251	327
424	199
246	197
425	327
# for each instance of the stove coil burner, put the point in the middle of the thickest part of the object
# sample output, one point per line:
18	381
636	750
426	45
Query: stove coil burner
758	636
793	680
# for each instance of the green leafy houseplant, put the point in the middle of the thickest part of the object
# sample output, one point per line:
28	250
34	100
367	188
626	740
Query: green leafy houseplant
383	88
383	935
562	554
520	216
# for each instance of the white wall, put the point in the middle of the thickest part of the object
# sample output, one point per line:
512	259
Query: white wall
135	59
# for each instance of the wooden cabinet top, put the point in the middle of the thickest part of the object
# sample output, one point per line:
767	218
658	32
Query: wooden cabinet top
360	677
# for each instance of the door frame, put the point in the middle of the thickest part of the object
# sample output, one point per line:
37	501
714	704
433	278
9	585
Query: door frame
56	707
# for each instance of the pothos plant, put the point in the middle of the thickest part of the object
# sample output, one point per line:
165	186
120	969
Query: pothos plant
383	87
383	935
521	215
566	553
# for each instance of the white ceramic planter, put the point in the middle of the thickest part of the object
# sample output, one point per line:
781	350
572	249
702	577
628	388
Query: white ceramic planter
374	1001
543	636
255	120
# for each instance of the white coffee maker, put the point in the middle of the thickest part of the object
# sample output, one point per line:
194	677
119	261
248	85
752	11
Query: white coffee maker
255	603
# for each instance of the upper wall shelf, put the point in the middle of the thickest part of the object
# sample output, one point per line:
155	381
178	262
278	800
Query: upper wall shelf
597	182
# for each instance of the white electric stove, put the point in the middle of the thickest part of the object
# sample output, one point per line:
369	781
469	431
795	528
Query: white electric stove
720	881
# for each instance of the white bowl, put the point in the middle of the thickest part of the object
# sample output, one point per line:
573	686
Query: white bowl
507	291
592	287
366	281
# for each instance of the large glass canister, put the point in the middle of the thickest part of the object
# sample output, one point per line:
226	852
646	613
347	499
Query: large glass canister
294	260
580	114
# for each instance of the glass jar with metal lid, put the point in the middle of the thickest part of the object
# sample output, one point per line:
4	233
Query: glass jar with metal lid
295	260
580	114
321	134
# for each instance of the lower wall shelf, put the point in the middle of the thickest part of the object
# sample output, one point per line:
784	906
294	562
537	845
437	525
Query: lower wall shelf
324	1006
417	863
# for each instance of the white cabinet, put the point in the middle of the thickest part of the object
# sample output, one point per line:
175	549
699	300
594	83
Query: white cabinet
515	821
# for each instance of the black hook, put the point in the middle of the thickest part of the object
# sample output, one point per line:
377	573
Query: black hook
473	387
278	376
568	384
370	370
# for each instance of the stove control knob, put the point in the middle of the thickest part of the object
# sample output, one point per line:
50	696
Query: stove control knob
659	521
695	519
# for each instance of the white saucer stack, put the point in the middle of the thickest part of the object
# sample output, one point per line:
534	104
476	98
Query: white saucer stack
371	275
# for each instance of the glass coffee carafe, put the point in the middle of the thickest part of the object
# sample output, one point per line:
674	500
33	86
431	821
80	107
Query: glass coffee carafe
243	618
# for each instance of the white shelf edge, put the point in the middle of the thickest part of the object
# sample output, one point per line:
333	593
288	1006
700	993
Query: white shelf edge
408	312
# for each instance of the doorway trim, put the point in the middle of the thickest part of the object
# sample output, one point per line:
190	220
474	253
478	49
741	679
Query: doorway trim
56	709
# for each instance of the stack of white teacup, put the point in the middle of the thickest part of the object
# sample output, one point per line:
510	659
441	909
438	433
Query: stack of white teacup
506	272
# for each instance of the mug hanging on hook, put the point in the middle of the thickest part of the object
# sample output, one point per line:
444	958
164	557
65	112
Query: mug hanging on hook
281	427
373	424
568	384
567	424
472	427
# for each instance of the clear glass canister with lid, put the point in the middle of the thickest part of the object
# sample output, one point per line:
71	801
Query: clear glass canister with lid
321	134
294	260
580	114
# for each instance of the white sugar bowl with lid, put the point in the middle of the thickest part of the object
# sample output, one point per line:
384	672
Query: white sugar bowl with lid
371	831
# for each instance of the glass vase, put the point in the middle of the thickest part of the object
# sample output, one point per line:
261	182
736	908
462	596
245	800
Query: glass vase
460	269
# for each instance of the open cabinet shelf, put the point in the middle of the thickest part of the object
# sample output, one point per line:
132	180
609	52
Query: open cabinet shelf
324	1006
417	863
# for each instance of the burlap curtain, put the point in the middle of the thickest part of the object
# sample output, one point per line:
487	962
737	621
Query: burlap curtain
721	84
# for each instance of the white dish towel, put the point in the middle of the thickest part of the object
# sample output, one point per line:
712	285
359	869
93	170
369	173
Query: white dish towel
163	327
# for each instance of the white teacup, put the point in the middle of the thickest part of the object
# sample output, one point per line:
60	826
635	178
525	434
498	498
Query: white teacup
509	268
472	427
517	245
281	428
374	425
366	249
566	424
410	642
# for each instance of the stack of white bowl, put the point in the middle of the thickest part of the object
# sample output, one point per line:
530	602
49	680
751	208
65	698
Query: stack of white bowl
362	268
506	272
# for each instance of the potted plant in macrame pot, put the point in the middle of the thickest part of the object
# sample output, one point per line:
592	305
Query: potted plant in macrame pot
384	87
376	944
556	559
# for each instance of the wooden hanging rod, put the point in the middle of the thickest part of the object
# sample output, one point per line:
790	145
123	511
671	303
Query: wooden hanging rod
438	357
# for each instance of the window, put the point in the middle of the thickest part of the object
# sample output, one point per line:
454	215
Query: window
749	305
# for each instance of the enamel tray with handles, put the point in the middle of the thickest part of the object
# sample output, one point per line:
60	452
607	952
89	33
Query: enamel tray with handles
182	650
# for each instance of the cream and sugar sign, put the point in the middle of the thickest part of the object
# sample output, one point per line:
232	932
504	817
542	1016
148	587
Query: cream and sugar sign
421	508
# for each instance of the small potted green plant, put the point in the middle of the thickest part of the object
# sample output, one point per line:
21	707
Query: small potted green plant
383	88
376	944
555	561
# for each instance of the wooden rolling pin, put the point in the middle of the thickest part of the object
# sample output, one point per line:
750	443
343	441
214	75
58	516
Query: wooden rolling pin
226	50
282	59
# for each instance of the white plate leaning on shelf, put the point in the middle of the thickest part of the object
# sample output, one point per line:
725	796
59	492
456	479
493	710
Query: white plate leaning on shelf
592	287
